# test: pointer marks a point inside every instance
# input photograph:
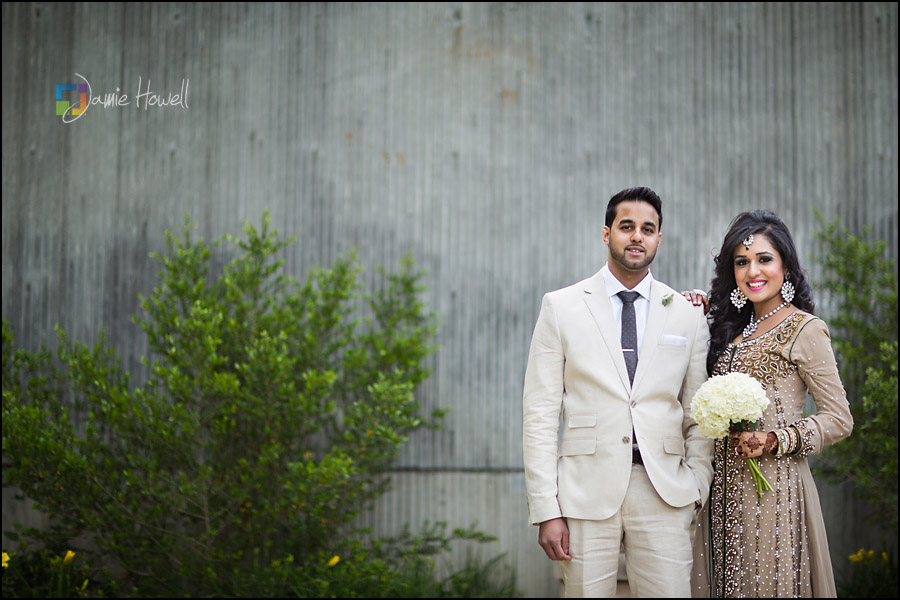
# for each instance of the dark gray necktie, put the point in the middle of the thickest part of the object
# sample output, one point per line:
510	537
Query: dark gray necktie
629	332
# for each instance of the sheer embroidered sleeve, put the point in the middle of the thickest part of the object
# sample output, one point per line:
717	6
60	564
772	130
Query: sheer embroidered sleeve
811	351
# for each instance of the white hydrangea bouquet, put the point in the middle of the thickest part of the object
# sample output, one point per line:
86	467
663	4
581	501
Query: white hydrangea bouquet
731	402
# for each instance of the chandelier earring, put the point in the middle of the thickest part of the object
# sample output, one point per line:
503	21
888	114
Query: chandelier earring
738	298
787	289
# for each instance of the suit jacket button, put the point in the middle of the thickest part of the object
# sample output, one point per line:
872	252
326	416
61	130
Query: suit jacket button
633	404
626	439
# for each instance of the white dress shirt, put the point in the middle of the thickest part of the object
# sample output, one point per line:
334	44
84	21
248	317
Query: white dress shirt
641	303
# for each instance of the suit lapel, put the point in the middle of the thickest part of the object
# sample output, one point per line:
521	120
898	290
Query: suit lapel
597	300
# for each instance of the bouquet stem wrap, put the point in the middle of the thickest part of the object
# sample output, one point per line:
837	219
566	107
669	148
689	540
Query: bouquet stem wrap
762	485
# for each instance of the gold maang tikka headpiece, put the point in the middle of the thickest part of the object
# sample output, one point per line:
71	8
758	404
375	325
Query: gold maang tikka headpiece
748	241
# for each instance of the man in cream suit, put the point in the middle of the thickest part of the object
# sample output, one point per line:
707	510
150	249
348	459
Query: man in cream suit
608	461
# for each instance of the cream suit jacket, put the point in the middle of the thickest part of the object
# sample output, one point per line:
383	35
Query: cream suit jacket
579	408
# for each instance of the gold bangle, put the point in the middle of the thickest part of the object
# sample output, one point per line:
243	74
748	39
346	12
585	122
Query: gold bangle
781	434
798	439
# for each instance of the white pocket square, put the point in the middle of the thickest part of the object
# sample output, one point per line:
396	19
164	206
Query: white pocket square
672	340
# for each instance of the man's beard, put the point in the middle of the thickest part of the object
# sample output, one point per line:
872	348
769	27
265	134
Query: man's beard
629	262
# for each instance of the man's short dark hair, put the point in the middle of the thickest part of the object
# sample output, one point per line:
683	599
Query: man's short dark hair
641	194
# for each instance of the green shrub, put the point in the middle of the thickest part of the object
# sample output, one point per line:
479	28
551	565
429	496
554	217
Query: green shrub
402	567
868	574
269	417
862	287
44	574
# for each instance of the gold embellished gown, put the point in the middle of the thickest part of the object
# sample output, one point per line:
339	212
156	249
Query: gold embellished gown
774	546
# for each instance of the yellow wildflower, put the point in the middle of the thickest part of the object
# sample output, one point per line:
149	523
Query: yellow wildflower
334	560
858	556
5	560
69	556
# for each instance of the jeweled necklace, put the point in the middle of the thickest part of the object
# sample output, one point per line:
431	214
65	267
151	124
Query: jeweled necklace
754	323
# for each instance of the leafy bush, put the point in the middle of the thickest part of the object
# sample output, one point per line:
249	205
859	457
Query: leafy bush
400	567
868	574
269	417
43	574
862	285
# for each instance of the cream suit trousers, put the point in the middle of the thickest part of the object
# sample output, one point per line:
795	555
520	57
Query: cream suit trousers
657	540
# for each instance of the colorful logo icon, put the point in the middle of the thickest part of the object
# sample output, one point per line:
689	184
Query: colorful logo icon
63	107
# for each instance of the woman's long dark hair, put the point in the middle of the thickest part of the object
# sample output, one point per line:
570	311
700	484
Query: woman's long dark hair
725	320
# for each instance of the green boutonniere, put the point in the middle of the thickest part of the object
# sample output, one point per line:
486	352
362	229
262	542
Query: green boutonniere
666	300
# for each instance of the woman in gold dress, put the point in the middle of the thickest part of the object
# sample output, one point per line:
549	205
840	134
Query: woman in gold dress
762	324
